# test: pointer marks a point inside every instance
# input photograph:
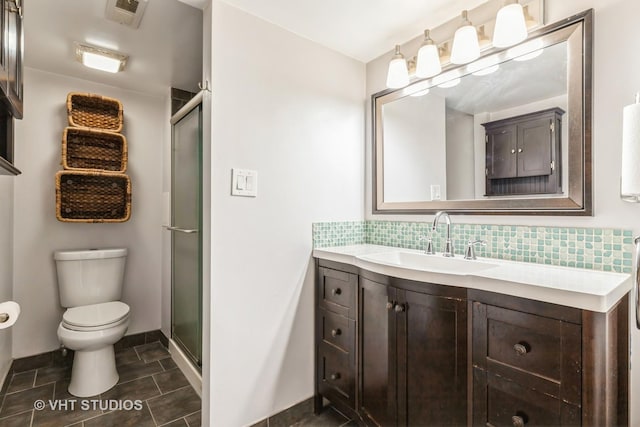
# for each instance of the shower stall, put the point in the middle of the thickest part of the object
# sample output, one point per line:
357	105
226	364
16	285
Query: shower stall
186	226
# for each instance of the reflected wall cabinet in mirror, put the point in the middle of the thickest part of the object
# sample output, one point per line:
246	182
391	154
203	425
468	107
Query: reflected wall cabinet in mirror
507	134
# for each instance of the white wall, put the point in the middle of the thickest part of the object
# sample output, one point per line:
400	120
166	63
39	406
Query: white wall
414	146
37	231
293	111
460	164
616	80
6	265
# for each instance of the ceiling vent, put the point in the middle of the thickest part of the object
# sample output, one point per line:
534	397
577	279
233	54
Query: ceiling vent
126	12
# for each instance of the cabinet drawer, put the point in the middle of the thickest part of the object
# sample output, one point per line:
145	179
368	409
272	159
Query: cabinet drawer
538	352
337	291
336	374
509	404
337	330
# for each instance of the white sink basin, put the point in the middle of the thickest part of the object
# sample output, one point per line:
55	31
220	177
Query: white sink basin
432	263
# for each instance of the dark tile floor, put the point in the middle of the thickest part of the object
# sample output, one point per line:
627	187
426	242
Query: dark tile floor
151	392
329	417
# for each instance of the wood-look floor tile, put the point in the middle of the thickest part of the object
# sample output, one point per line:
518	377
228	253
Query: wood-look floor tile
50	417
152	351
140	389
194	420
22	401
174	405
168	364
52	374
123	418
21	381
126	356
177	423
170	380
137	370
327	418
19	420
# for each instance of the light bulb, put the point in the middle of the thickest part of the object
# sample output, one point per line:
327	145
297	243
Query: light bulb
398	74
465	43
511	27
428	58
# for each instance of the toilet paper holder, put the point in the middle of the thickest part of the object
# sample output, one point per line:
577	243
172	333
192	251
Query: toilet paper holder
4	317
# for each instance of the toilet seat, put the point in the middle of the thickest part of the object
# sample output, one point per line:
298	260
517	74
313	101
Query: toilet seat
95	316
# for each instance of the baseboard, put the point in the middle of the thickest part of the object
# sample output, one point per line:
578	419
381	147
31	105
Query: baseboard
187	368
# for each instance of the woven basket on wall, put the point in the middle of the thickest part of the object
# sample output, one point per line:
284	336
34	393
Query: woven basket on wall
91	149
92	197
94	111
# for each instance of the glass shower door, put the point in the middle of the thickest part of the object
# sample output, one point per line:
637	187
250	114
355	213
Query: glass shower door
186	223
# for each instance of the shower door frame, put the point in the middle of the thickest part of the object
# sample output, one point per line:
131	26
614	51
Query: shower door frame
195	103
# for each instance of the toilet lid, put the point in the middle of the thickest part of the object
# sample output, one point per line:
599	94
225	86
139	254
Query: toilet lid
96	314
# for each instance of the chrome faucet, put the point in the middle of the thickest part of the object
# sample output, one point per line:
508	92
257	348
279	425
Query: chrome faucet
470	252
448	246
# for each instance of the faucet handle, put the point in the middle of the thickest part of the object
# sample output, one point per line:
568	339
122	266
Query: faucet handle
470	252
429	248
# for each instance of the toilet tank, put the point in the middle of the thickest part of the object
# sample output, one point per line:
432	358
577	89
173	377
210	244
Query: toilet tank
90	276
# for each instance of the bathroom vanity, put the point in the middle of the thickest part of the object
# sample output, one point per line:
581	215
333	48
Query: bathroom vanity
406	339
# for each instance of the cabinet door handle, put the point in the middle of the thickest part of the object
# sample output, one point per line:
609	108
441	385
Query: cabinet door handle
335	376
390	305
399	308
336	291
518	421
519	150
336	332
513	151
521	348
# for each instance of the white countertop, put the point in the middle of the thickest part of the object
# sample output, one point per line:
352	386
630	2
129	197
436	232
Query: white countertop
574	287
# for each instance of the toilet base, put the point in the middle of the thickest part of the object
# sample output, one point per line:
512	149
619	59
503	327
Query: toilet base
93	372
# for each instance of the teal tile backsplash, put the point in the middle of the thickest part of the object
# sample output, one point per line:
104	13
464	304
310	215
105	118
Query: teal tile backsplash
602	249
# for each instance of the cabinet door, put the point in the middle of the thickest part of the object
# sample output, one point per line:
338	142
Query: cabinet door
501	149
534	147
377	363
432	360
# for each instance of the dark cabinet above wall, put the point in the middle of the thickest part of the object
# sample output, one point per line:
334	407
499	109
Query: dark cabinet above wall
11	79
11	53
523	154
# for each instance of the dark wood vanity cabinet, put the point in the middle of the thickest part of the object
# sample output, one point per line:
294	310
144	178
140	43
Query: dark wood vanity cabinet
523	154
419	354
336	336
413	357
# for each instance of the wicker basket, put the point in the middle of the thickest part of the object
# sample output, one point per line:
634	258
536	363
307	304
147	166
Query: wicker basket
94	111
92	197
96	150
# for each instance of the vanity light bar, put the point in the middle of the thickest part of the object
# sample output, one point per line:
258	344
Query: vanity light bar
507	21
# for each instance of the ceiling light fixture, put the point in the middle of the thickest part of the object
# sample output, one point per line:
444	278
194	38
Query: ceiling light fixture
428	62
398	74
465	42
511	27
99	58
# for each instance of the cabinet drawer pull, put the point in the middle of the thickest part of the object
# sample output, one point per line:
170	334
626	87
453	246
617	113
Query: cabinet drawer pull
390	305
521	348
518	421
399	308
336	291
336	332
335	376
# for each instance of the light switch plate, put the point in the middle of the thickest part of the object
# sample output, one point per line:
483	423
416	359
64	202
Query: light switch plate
244	182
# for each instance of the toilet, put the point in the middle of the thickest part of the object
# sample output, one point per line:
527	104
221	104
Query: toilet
90	285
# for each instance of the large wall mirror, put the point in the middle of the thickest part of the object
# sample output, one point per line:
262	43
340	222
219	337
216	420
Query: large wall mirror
507	134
